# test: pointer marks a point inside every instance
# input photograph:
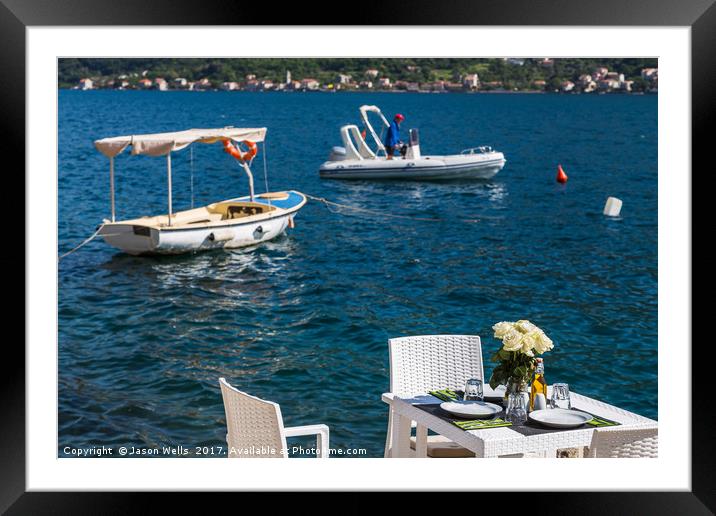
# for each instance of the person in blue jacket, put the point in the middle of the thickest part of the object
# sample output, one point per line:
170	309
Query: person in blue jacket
392	138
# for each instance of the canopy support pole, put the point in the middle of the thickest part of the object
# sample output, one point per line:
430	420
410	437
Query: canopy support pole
111	184
169	186
251	180
265	169
191	167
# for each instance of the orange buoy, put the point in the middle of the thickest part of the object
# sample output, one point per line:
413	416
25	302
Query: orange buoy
236	153
561	176
291	223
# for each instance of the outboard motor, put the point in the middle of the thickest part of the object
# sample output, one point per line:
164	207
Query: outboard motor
414	145
337	154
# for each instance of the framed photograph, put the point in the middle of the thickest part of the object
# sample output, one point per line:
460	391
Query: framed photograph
463	235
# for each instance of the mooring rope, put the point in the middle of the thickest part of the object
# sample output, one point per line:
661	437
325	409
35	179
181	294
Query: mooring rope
87	241
358	209
333	207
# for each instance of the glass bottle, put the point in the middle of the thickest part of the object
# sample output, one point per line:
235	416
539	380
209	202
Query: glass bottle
539	384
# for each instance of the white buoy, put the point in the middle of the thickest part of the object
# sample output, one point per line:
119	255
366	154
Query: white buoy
613	207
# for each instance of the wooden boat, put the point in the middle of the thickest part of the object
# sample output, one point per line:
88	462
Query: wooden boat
231	223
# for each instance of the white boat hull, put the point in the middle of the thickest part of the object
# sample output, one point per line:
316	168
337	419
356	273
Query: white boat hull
459	166
138	239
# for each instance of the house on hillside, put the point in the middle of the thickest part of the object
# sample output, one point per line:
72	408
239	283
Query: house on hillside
384	83
344	79
202	84
649	73
599	73
310	83
471	81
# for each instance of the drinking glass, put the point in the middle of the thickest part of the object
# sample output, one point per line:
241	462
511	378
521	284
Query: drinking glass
516	412
473	390
560	396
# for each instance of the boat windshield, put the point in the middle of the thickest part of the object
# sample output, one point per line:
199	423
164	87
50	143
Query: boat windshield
375	126
380	129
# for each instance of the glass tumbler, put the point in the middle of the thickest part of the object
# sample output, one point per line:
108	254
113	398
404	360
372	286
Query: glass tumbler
473	390
560	396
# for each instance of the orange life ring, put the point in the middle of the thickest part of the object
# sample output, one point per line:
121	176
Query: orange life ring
236	153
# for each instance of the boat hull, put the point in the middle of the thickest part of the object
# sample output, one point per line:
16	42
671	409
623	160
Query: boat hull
136	239
469	166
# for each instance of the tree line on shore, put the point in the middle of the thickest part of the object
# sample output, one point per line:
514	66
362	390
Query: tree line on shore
511	74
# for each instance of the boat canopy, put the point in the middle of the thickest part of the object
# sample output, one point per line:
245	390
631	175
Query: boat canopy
161	144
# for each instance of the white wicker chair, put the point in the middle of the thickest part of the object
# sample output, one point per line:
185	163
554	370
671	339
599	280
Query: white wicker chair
255	427
627	442
424	363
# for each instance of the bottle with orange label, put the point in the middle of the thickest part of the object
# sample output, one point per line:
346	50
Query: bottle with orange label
539	384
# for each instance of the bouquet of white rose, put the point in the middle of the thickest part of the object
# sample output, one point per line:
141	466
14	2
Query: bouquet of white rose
521	342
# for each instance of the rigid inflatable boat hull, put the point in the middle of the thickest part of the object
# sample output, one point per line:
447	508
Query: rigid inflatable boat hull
483	166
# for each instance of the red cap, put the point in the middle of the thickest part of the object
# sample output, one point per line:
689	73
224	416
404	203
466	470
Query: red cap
399	117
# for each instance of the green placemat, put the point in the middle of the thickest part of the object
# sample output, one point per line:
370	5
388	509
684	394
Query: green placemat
599	422
445	395
478	424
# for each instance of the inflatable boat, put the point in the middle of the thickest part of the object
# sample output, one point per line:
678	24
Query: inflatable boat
359	160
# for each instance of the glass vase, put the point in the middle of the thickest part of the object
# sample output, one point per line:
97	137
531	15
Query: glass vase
517	386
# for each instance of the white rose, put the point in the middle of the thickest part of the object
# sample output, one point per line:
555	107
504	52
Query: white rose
529	340
543	343
512	340
502	328
525	326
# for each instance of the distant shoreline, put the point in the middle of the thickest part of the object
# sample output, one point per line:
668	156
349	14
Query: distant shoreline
346	91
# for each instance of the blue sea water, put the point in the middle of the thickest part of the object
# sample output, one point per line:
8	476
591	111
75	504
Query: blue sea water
304	320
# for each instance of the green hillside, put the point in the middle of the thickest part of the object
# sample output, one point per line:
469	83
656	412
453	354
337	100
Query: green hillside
325	70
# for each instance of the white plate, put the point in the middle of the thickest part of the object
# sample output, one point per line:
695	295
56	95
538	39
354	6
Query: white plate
560	418
471	409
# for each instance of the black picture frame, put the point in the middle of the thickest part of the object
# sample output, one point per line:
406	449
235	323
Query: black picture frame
16	15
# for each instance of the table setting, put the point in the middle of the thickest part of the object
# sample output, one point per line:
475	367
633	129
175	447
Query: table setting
516	395
514	413
487	412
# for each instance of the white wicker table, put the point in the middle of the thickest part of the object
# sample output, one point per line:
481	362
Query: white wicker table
494	442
